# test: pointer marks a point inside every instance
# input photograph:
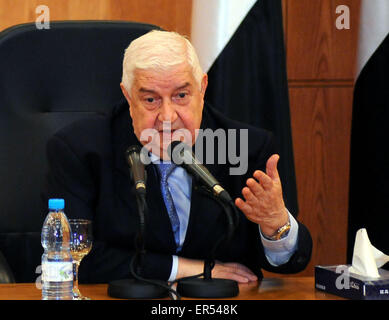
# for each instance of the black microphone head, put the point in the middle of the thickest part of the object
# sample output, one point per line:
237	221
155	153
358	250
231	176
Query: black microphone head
137	167
134	148
181	154
138	153
174	143
132	154
171	148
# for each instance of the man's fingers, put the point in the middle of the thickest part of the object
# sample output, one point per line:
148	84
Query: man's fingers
243	206
248	194
257	188
241	268
271	166
233	271
231	276
240	271
265	181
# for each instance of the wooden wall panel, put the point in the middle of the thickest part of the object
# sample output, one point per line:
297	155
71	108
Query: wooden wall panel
316	48
321	126
321	64
168	14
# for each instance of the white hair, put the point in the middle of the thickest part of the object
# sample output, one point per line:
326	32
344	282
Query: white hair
159	50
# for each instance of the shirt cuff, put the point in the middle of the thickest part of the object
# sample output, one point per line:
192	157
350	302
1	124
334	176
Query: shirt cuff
173	273
279	252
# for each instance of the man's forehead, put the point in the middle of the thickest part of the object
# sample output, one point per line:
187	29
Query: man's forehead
146	80
147	88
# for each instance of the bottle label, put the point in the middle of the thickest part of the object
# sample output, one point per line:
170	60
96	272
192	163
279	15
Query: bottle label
57	271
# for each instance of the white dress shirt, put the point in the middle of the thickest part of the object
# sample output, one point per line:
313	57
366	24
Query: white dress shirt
180	186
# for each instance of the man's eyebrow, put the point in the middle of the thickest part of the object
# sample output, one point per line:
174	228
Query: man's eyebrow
187	84
146	90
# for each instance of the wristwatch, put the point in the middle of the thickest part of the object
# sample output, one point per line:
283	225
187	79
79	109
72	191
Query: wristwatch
281	232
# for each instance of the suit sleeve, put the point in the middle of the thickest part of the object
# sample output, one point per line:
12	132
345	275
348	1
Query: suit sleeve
71	178
301	257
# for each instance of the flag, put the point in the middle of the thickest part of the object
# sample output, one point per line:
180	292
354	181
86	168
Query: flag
240	44
369	154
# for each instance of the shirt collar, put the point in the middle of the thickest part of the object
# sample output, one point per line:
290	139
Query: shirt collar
155	159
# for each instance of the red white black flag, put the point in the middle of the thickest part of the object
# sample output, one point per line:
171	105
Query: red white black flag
369	164
241	46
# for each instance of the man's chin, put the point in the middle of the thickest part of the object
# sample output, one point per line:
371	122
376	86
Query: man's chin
159	147
180	134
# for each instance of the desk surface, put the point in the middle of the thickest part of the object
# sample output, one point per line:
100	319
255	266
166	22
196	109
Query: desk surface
291	288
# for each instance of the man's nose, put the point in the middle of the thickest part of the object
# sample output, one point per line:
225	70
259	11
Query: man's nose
168	112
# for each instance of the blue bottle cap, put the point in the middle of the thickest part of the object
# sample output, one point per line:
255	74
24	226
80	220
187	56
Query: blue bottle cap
56	204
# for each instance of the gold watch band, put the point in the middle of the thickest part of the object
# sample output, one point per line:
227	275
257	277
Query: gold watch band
282	232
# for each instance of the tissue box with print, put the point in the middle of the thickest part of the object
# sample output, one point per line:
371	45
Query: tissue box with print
336	280
364	279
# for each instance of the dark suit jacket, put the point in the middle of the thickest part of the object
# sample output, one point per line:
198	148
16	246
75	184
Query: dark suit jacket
88	169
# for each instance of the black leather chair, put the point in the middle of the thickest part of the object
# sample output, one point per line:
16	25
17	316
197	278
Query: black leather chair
48	79
6	274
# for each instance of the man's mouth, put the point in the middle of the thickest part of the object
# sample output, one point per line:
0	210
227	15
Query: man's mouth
167	131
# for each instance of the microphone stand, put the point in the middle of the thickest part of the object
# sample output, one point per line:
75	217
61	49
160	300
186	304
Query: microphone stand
208	287
139	287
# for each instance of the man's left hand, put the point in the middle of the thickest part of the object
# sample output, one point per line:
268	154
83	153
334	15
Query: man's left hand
264	203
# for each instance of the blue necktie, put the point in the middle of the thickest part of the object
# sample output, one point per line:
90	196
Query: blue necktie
166	169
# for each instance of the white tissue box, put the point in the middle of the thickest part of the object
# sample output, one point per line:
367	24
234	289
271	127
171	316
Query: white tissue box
337	280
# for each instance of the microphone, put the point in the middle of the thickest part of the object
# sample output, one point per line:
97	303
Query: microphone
181	154
206	287
138	287
137	168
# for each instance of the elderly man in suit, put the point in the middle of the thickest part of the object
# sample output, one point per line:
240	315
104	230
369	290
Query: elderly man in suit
163	84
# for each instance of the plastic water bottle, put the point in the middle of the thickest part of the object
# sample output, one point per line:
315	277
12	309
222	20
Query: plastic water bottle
57	262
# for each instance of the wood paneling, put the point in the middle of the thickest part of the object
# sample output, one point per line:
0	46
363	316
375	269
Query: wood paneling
321	126
316	48
169	14
321	64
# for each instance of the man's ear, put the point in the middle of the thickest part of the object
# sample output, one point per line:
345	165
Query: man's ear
125	93
204	84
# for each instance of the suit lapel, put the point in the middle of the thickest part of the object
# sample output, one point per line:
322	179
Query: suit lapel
157	218
206	215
